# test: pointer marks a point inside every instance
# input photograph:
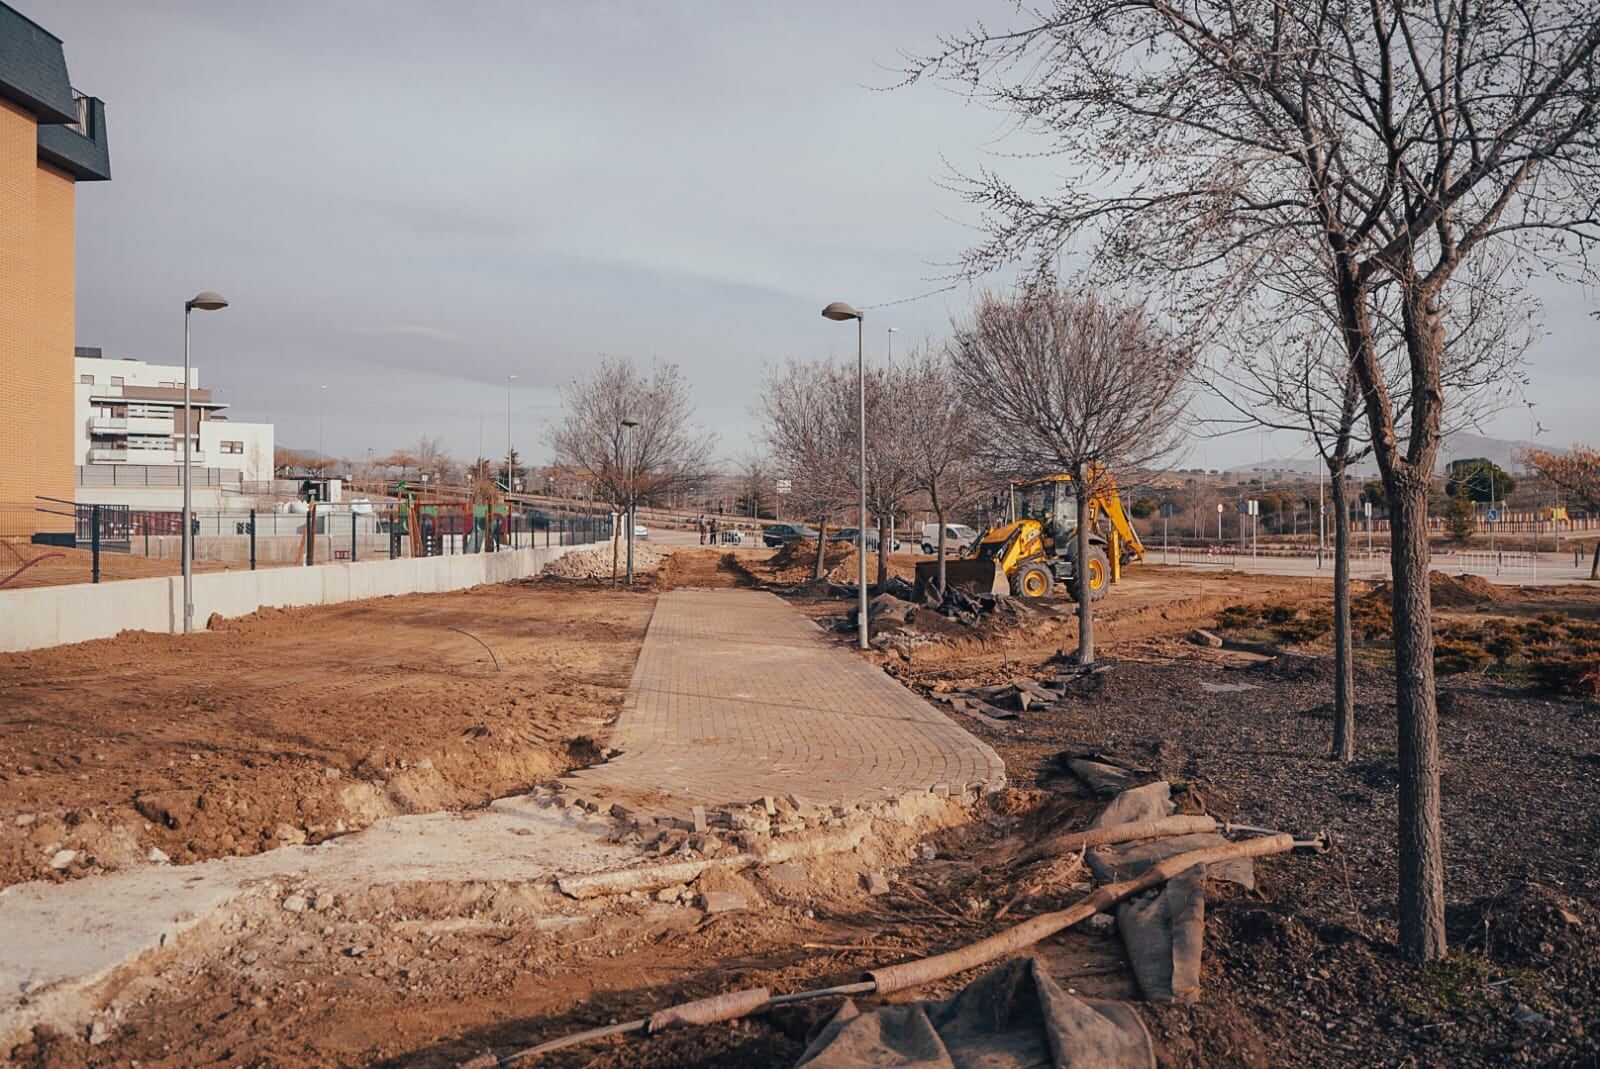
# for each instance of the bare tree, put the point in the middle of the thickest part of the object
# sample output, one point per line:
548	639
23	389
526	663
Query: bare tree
891	468
1069	381
431	456
756	483
938	430
1575	474
1396	141
809	436
1283	367
633	434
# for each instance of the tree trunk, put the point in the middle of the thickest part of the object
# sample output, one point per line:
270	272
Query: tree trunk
1422	935
1081	576
938	514
1594	567
822	547
615	531
885	540
1344	701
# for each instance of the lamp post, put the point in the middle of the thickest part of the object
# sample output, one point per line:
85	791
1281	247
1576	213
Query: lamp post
628	423
510	378
841	312
206	301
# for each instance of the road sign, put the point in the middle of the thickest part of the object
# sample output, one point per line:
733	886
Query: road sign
784	486
1219	508
1167	510
1367	508
1492	515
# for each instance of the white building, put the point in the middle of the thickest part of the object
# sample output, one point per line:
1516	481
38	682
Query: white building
129	415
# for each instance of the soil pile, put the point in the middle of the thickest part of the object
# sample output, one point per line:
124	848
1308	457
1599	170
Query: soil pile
1446	592
597	563
796	563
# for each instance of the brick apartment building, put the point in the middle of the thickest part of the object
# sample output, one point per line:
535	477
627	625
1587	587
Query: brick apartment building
51	138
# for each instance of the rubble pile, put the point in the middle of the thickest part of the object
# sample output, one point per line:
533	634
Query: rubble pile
596	563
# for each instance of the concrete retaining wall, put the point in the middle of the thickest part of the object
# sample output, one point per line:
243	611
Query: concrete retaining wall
39	617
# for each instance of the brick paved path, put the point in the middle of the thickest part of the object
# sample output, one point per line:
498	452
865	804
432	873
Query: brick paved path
736	695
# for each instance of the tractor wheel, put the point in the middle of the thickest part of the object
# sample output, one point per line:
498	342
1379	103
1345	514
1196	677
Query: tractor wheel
1032	581
1099	575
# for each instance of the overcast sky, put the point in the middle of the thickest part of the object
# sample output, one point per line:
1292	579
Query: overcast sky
408	201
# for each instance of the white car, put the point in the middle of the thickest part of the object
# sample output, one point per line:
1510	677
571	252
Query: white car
957	537
641	531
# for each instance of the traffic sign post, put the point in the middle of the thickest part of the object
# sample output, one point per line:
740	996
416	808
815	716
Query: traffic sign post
1166	514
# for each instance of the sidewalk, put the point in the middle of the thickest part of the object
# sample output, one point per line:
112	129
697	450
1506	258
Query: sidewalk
736	695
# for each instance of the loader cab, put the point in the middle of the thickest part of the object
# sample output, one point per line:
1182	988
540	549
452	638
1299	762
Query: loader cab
1052	502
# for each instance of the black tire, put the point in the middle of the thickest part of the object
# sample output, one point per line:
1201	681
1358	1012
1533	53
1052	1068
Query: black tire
1099	575
1032	581
927	550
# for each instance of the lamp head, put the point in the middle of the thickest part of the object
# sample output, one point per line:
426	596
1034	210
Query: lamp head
839	311
207	301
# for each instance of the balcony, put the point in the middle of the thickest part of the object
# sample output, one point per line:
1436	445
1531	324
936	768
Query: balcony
79	147
107	456
108	425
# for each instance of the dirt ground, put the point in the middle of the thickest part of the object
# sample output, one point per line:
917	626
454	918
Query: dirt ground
1301	971
34	565
301	724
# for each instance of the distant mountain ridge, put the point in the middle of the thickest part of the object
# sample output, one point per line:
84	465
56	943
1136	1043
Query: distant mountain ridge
1457	445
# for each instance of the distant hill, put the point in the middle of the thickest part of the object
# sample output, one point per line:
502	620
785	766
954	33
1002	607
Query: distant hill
1457	445
1465	445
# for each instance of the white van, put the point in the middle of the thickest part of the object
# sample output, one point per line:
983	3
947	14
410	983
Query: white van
957	537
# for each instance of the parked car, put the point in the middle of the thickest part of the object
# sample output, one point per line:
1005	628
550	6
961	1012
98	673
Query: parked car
957	537
641	531
778	534
848	534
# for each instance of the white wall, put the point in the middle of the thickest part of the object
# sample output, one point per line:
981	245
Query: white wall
39	617
255	440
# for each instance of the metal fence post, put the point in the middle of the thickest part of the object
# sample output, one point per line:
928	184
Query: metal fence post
252	540
352	536
94	543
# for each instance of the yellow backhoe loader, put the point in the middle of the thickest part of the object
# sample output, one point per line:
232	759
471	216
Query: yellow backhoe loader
1036	548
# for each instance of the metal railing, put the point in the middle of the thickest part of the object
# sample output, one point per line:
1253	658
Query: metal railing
150	541
1490	563
1208	555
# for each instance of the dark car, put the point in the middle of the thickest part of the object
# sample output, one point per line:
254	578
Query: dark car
779	534
848	534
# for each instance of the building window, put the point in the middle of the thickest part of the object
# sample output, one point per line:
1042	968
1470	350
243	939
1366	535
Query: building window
87	380
116	380
233	447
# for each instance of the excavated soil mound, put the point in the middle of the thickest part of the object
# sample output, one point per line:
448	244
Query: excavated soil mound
1446	591
596	563
796	562
1531	925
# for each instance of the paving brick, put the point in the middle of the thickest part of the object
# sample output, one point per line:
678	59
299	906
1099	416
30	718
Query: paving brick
738	696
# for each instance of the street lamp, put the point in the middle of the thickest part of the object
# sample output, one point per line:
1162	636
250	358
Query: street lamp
840	312
206	301
892	332
510	378
628	423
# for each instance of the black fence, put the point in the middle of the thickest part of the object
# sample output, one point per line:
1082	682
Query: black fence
52	541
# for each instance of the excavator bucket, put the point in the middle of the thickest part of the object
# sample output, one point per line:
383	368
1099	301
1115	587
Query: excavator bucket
970	576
